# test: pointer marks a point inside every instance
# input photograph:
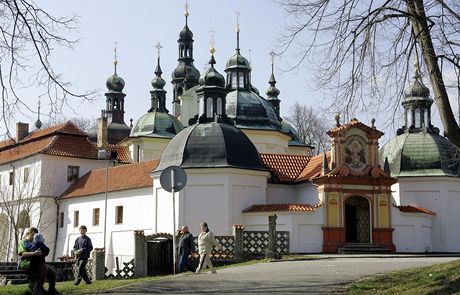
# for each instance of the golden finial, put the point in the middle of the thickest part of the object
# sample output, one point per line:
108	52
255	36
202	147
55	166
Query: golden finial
186	13
212	43
337	119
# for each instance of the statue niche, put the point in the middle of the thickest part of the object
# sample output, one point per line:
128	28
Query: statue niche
355	153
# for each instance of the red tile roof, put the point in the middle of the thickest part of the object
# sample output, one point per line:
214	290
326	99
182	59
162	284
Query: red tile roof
280	207
64	140
123	154
285	168
313	168
121	177
355	123
414	209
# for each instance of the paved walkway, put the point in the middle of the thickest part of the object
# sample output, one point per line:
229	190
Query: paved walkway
326	275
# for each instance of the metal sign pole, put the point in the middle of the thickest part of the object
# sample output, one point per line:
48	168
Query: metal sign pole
174	220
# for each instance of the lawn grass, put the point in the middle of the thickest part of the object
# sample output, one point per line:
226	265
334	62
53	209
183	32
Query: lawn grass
101	285
436	279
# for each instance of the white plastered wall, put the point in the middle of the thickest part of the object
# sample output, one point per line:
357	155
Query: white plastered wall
440	195
137	215
305	233
215	195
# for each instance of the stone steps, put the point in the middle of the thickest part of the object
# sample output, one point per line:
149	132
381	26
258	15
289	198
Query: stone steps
362	248
11	274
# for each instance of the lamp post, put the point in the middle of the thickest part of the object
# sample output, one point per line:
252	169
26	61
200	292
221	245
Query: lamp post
104	155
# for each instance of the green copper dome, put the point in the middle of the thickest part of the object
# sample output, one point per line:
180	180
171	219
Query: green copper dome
115	83
421	154
157	124
237	61
249	110
287	129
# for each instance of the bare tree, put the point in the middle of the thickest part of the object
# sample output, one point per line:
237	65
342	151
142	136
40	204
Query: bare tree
84	124
22	206
363	50
28	36
310	126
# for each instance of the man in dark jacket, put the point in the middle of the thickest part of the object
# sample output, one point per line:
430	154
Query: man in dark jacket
186	248
82	250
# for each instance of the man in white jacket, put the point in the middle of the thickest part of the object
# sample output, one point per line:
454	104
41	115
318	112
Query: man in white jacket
206	240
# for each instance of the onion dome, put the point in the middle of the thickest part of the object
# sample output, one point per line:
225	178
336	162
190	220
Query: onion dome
211	145
115	83
158	82
212	77
156	124
238	61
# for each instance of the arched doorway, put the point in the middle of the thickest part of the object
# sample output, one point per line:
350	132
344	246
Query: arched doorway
357	220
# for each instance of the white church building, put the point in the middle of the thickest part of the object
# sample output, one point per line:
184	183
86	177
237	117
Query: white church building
244	163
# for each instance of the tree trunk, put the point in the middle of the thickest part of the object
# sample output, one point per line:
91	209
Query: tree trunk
423	38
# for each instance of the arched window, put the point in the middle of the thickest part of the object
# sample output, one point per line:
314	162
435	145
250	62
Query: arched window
417	118
209	110
241	80
409	119
219	106
23	219
201	107
234	80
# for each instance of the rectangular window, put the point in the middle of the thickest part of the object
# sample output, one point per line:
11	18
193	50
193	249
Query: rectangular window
12	178
76	218
26	174
61	219
72	173
119	215
96	216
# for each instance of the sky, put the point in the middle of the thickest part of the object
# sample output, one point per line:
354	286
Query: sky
138	26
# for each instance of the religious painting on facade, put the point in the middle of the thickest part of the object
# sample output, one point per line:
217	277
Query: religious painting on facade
355	153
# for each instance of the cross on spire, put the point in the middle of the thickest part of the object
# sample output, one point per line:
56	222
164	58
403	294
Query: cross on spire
272	54
158	47
115	61
238	30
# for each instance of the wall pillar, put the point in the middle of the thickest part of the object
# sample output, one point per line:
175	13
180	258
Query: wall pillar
98	256
333	239
238	241
140	255
384	237
271	251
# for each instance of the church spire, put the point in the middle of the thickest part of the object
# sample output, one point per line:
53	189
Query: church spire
273	92
158	94
38	123
185	76
115	105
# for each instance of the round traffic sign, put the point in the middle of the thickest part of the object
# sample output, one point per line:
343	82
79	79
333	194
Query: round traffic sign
173	177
